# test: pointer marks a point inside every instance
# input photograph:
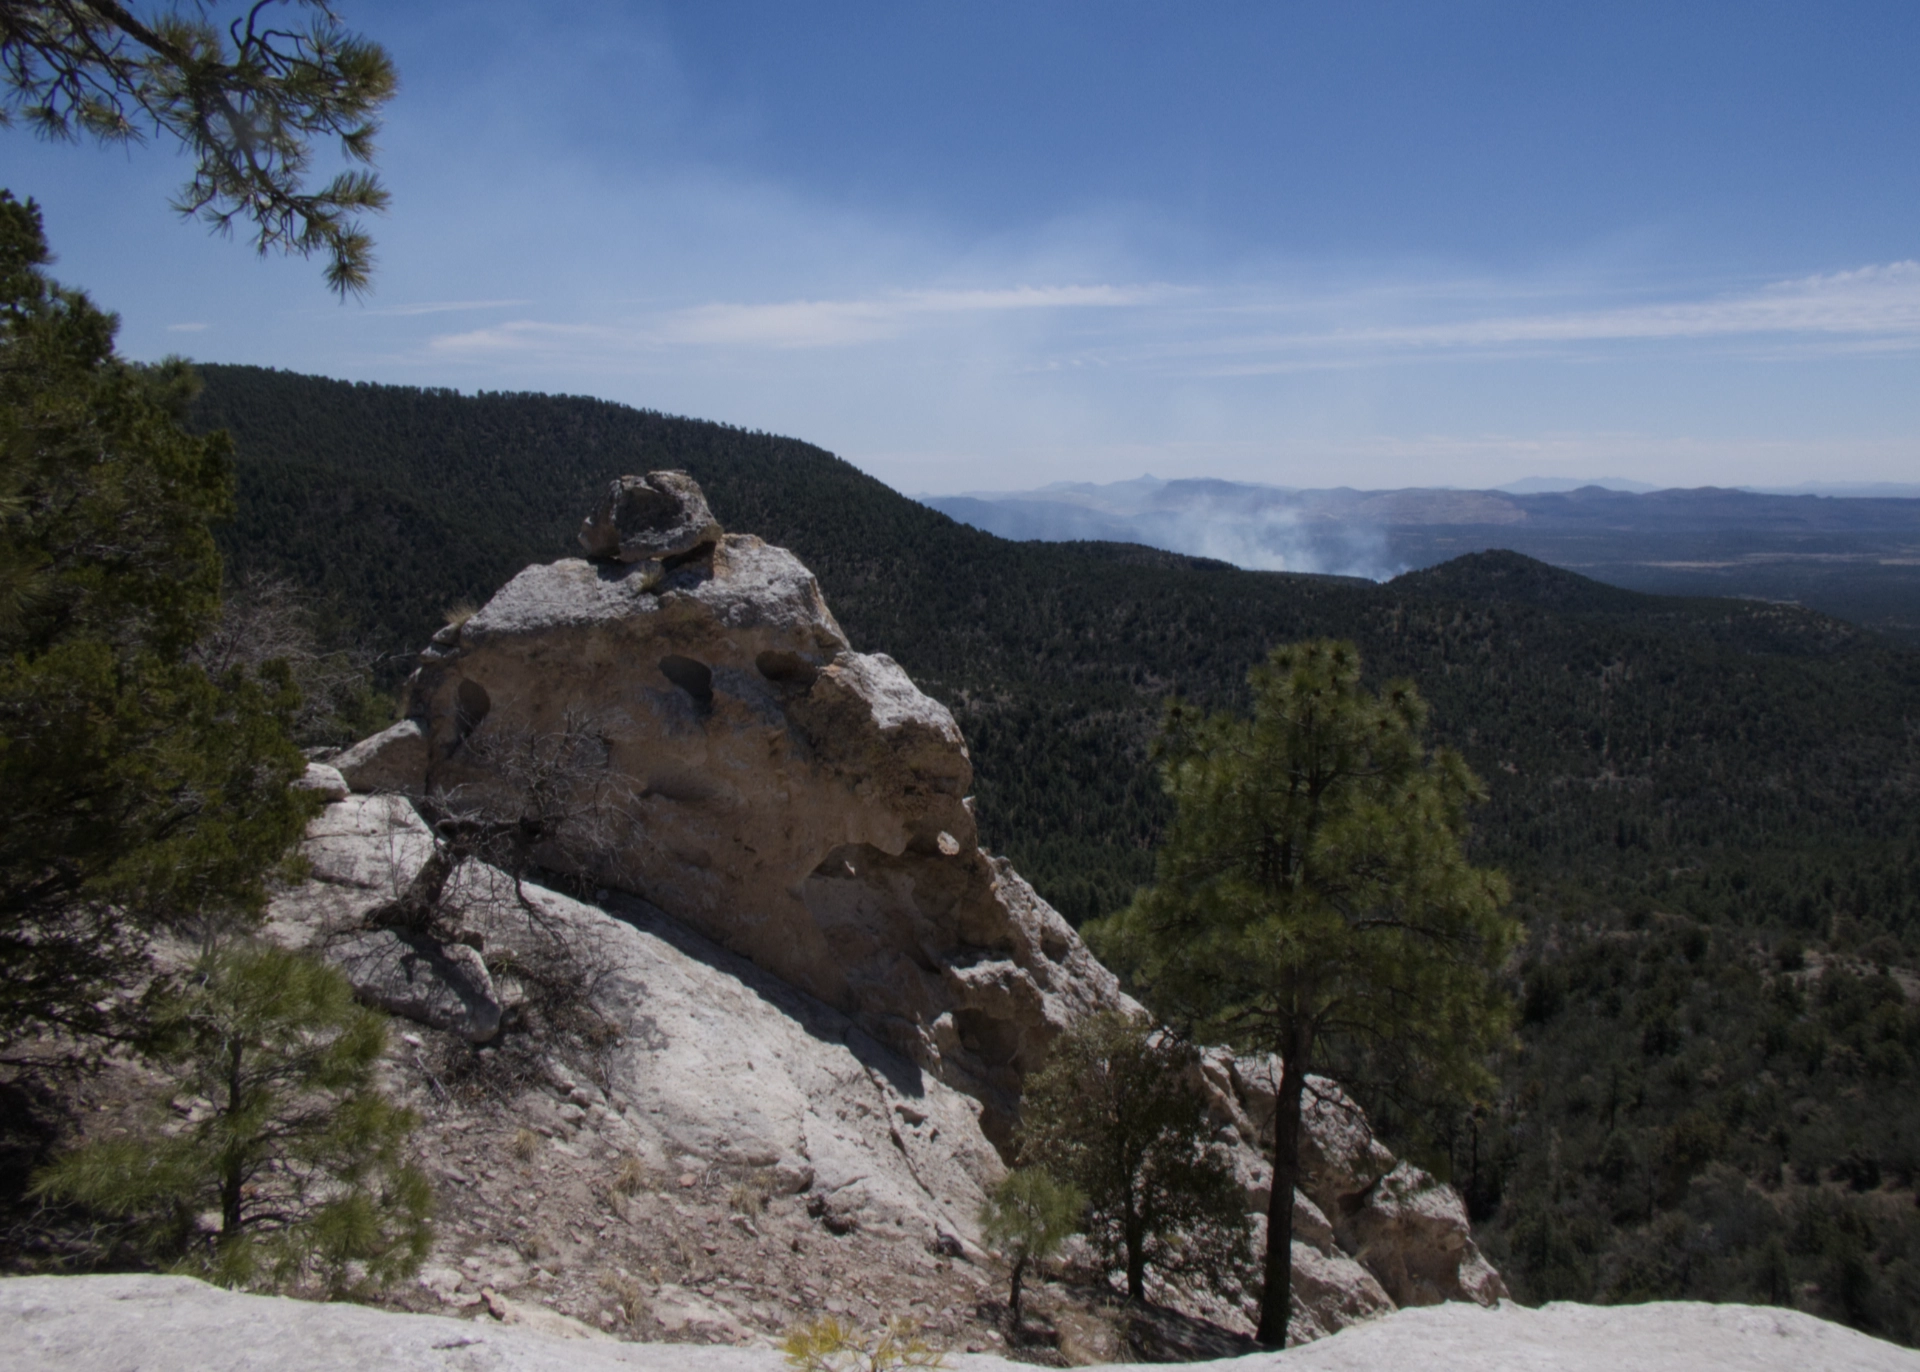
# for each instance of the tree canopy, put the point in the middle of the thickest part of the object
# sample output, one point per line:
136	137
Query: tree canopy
1313	899
1025	1218
136	791
1117	1111
247	100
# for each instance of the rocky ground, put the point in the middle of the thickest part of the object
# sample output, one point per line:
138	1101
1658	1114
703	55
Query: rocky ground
173	1324
550	1205
553	1218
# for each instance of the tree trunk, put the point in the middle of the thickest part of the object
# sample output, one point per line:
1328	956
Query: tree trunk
230	1173
1276	1302
1013	1299
1136	1236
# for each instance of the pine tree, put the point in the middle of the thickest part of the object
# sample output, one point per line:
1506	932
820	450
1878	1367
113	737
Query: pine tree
291	1145
1312	897
137	792
1025	1218
1117	1112
246	100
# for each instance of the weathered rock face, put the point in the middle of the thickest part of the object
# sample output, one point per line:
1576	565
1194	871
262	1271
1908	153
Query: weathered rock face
683	722
706	1057
798	802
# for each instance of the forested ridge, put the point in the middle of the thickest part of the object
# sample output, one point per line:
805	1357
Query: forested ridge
1708	808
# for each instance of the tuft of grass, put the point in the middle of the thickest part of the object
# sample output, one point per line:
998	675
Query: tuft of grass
749	1197
460	612
524	1145
632	1176
629	1297
830	1344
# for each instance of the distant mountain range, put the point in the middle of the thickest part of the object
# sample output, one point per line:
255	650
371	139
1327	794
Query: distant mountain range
1856	556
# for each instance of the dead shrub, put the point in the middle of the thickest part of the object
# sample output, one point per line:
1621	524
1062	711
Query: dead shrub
749	1197
632	1176
629	1297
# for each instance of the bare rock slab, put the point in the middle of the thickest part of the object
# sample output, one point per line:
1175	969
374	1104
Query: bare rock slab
177	1324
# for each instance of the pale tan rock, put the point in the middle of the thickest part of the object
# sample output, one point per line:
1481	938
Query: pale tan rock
375	844
177	1324
1408	1230
395	759
537	1319
799	803
1330	1292
442	985
706	1058
325	780
1412	1233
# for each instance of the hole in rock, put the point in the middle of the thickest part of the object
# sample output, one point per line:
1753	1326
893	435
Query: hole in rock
996	1040
470	705
839	863
786	669
695	678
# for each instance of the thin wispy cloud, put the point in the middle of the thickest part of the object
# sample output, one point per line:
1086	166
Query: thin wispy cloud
1880	300
789	324
837	323
1875	308
533	337
1158	327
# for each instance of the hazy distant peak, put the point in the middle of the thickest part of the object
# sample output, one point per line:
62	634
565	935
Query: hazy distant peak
1555	485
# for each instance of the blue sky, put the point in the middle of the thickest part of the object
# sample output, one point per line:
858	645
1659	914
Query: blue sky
984	245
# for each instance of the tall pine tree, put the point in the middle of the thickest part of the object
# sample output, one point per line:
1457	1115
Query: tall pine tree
1313	900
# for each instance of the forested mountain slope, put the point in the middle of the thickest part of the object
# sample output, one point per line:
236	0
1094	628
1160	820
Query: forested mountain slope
1685	792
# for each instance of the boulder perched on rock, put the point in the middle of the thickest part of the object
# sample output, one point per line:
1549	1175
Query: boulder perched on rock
651	518
395	759
323	780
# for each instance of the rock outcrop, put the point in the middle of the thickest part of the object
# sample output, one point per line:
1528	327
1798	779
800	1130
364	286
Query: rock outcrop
680	725
748	773
1371	1232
